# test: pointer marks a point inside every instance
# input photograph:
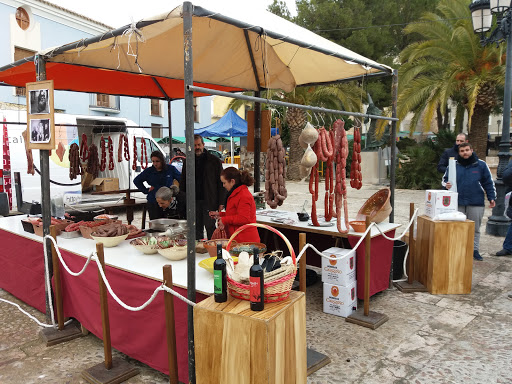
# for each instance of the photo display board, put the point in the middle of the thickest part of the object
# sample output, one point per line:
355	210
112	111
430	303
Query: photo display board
40	116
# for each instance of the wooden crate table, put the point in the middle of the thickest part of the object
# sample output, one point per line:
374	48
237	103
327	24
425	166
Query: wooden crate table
236	345
444	255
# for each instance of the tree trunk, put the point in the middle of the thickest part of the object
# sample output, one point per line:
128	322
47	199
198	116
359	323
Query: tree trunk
459	118
440	124
478	131
296	120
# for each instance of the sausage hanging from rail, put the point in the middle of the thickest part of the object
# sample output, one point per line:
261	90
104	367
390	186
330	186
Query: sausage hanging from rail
340	190
275	173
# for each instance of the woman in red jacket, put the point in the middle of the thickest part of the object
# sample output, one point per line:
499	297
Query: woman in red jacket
240	205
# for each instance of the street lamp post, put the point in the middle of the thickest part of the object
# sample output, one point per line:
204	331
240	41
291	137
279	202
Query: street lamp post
481	12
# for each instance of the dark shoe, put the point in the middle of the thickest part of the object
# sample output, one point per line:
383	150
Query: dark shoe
477	256
503	252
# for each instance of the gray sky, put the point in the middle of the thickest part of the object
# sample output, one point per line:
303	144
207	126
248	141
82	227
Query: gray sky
117	13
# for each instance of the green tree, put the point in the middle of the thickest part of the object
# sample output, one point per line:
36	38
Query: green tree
449	63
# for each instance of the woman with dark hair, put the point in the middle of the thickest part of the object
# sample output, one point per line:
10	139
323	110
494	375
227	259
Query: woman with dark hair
158	175
240	205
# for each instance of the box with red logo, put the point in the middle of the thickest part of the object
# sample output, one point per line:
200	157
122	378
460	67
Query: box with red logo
440	201
340	300
341	271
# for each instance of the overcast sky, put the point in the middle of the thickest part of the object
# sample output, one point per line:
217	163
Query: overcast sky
117	13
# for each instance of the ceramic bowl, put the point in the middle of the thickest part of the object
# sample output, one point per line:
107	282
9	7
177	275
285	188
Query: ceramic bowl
109	242
148	249
358	226
174	253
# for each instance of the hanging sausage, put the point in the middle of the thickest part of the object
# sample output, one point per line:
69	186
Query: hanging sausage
103	164
356	177
110	154
275	173
84	149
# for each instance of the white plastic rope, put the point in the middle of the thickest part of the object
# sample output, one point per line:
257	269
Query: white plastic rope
28	314
405	230
94	257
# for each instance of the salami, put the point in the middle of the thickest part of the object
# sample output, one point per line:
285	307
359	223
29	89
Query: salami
103	164
356	177
84	149
110	146
75	167
143	154
275	173
93	163
341	152
134	165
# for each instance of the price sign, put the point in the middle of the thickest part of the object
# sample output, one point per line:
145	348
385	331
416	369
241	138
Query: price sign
71	198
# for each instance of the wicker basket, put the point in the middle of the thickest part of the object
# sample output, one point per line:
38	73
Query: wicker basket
278	283
377	207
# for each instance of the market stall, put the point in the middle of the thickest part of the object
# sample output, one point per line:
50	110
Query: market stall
189	52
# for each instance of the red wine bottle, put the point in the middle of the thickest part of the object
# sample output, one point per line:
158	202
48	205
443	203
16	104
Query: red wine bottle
257	293
219	277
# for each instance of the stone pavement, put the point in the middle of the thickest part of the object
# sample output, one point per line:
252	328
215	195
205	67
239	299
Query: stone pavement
428	338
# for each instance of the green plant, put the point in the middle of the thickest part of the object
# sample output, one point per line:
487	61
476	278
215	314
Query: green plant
405	142
419	170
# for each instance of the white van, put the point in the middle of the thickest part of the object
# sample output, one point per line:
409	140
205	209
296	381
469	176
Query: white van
69	130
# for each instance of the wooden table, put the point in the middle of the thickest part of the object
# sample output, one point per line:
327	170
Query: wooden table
325	237
444	255
236	345
128	202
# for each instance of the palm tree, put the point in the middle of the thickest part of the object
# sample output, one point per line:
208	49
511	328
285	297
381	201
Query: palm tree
449	63
345	96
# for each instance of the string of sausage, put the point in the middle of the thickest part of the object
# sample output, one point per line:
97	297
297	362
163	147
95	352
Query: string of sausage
103	164
143	154
123	143
84	149
324	151
110	154
275	173
93	163
341	150
75	167
356	177
134	165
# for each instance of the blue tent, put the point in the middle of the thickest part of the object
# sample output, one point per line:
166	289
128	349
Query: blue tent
229	125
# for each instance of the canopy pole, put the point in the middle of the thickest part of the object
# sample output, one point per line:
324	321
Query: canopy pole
44	164
257	142
170	127
392	171
232	151
190	183
284	104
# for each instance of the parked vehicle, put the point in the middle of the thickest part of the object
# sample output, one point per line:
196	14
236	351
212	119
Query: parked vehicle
69	130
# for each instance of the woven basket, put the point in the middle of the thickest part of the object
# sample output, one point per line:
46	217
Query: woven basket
377	207
278	283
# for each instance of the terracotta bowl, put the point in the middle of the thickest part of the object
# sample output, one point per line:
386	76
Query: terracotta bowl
358	226
377	207
211	245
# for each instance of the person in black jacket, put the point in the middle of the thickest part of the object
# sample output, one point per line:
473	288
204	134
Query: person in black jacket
507	243
451	152
210	194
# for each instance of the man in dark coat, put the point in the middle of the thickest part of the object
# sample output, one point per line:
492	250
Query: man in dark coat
507	244
210	194
451	152
474	181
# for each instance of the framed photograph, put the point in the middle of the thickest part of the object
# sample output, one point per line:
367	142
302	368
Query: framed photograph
39	102
40	132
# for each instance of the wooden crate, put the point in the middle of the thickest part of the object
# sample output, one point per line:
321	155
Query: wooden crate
444	255
236	345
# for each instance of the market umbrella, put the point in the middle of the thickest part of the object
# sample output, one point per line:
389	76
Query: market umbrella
229	125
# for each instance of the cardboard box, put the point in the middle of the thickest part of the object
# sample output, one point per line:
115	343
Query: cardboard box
340	300
440	201
339	272
102	184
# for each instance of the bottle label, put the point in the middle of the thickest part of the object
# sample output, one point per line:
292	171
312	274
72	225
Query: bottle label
217	281
255	290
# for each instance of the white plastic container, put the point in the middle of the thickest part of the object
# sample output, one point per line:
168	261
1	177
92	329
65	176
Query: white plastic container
339	272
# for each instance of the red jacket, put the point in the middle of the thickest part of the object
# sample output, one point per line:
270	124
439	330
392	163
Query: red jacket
241	210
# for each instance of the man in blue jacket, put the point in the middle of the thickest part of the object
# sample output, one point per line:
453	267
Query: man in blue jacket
451	152
473	178
507	244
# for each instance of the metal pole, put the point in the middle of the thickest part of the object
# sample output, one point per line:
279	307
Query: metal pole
498	223
285	104
257	142
170	127
190	183
392	171
44	164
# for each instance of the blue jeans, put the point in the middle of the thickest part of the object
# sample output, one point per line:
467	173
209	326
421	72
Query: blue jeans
507	244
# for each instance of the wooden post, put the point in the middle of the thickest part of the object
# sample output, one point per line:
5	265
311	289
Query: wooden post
107	346
410	270
302	263
56	275
367	242
171	327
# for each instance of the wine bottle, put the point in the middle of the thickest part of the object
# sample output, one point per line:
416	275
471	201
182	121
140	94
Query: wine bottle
257	293
219	277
